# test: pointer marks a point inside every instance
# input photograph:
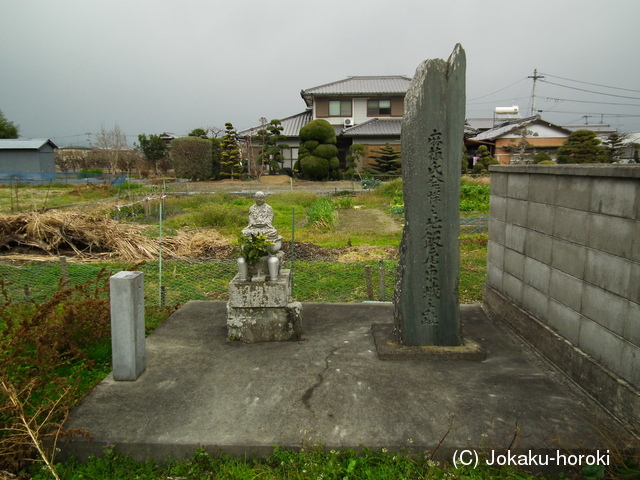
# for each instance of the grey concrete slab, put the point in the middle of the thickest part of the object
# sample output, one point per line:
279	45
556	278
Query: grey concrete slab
201	389
615	197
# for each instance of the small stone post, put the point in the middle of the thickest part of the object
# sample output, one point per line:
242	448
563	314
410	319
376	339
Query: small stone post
127	325
426	299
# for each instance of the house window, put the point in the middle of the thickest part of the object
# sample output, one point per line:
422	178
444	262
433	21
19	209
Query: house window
377	108
339	108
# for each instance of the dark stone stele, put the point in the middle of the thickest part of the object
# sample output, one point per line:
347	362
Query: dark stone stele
426	299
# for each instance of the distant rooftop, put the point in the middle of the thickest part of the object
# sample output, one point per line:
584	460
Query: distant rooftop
480	123
599	128
25	143
510	125
291	125
361	85
375	127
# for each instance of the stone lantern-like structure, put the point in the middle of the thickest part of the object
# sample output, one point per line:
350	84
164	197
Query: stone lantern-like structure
260	306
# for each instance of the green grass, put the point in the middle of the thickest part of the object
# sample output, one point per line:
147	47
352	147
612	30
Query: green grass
474	196
473	267
23	198
310	462
322	214
228	213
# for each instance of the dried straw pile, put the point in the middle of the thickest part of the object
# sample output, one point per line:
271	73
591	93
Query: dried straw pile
56	232
199	243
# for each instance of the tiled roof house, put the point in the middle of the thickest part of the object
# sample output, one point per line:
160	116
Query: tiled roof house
504	138
362	109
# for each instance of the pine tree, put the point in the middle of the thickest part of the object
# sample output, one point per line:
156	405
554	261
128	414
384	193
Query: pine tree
271	153
484	160
582	146
230	163
614	146
387	160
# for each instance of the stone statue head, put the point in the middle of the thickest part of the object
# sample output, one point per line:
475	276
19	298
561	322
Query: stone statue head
260	198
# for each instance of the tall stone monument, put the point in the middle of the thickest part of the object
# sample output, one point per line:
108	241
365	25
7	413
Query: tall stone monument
427	311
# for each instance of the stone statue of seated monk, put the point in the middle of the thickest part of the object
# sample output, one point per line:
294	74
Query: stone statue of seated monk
261	219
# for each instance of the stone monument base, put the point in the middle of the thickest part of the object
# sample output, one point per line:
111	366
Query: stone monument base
263	311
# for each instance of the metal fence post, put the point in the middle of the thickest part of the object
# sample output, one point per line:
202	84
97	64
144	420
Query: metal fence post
64	271
293	241
381	279
160	292
367	270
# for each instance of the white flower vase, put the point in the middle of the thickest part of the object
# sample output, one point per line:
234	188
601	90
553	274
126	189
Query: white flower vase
243	269
276	246
274	267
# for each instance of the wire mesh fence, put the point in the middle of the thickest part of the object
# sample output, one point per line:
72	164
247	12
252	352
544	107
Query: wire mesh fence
178	281
172	281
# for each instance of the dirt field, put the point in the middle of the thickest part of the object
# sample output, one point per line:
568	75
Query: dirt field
367	220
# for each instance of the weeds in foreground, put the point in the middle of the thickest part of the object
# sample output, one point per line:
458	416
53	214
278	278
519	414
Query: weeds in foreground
322	214
310	462
52	353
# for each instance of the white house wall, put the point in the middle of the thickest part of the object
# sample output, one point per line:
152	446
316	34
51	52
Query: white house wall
542	131
360	110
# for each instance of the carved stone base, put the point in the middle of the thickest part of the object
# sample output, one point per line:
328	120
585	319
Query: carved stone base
260	270
263	311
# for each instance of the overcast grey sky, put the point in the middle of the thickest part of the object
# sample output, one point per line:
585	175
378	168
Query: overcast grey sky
68	67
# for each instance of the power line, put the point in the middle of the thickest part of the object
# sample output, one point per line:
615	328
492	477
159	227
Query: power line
497	91
590	101
496	101
595	114
591	91
589	83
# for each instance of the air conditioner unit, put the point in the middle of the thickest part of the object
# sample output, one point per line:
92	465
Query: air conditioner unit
348	122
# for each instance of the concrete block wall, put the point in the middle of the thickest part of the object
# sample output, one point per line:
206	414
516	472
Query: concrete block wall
564	251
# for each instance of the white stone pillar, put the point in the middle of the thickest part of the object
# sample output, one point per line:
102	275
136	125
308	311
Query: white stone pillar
127	325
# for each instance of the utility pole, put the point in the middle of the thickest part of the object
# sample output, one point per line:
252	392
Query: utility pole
533	92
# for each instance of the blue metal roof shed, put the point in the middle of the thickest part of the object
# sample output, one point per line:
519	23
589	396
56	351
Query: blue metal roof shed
27	156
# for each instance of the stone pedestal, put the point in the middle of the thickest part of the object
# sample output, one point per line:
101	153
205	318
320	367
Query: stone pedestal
263	311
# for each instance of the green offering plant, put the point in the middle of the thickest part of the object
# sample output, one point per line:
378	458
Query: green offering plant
254	247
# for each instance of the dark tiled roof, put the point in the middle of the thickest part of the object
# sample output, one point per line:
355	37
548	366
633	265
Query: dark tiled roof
362	86
507	127
291	125
375	127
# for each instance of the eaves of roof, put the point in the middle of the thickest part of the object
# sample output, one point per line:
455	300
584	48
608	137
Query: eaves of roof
375	127
291	125
507	127
25	143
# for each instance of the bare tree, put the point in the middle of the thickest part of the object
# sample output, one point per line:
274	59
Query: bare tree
113	144
215	132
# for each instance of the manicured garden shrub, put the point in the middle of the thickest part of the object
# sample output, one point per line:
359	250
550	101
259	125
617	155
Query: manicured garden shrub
319	130
318	155
326	151
314	168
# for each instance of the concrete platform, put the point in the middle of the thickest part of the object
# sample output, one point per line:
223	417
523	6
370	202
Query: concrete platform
200	389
